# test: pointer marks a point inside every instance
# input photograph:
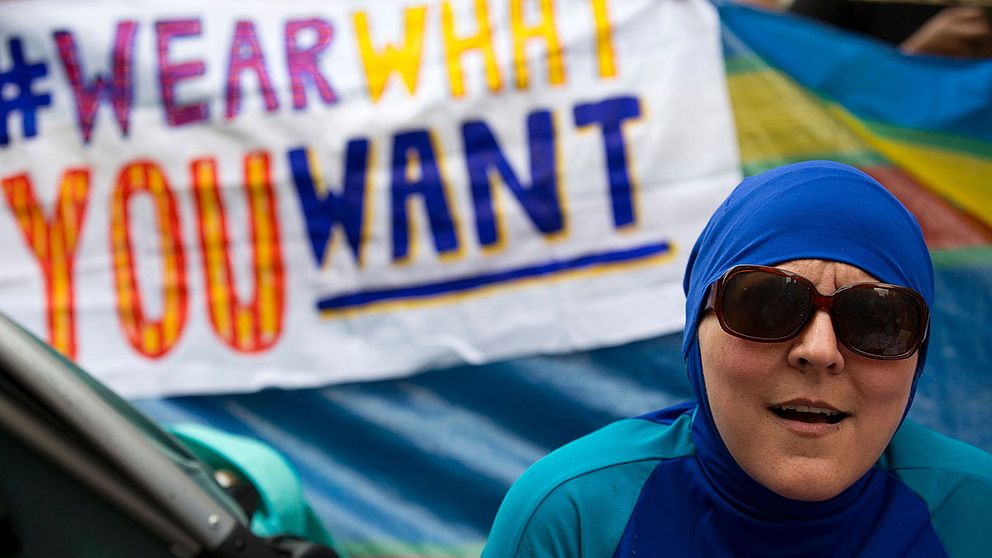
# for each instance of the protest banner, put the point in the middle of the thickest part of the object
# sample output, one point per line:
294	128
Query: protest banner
224	197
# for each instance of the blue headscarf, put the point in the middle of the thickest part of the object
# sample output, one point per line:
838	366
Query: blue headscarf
816	209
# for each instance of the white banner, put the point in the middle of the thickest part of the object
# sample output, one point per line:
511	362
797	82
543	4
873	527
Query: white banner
209	197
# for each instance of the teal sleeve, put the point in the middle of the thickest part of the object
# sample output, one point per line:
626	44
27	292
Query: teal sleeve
955	481
575	502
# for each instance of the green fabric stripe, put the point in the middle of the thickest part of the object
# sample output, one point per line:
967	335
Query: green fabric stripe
962	257
743	64
938	140
860	159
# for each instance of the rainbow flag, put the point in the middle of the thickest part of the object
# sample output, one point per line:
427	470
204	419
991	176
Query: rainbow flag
920	125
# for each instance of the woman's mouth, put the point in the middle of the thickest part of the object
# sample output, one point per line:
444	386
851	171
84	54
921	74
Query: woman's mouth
809	413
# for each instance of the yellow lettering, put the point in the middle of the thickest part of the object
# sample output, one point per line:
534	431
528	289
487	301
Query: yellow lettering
380	65
604	40
455	47
150	337
253	325
54	240
522	33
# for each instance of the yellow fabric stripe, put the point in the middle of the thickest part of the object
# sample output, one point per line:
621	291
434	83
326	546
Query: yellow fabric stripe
962	178
778	121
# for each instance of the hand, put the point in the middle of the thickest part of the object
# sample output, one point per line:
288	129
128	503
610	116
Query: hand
962	32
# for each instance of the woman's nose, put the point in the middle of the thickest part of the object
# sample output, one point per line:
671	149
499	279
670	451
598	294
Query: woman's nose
816	347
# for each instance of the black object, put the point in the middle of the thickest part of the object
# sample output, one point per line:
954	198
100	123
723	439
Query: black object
293	547
891	22
83	472
10	545
241	490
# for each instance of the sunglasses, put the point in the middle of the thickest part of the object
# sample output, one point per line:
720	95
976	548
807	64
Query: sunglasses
770	305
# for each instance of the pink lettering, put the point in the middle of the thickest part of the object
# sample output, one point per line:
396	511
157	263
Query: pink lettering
170	73
246	54
302	60
88	95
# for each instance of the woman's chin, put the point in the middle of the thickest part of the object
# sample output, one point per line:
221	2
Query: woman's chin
805	478
808	485
809	493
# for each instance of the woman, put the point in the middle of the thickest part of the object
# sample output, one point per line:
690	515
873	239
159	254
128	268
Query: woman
806	331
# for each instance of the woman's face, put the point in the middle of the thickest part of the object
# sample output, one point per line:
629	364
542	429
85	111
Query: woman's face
797	454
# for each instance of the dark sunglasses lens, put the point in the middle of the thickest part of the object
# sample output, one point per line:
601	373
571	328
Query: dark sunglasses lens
878	321
765	305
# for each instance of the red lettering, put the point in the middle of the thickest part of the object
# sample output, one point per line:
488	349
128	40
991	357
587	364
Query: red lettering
255	325
54	241
150	337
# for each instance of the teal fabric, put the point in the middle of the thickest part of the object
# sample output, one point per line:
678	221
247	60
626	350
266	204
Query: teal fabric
955	481
575	501
283	509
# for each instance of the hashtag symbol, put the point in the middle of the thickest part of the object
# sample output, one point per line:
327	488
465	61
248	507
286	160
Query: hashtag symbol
16	95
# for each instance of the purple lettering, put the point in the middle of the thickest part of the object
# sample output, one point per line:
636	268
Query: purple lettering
88	95
246	54
302	61
170	73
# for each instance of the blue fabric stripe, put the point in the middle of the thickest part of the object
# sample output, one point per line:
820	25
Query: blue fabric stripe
871	79
428	290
